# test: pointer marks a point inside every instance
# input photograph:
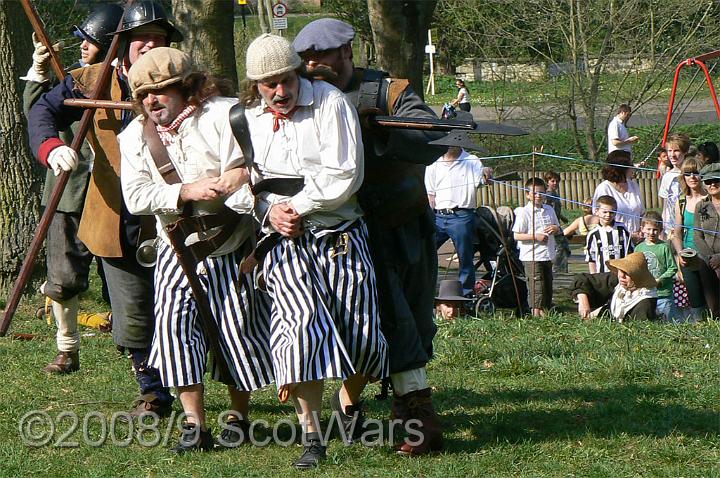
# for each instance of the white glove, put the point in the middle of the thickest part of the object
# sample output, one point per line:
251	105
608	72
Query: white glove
63	158
41	59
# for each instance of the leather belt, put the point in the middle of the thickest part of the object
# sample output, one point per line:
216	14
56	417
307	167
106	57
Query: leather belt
453	210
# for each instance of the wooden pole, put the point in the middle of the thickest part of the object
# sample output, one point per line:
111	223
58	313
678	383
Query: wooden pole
44	224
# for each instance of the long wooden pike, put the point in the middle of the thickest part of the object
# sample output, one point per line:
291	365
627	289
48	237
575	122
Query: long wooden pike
42	36
44	224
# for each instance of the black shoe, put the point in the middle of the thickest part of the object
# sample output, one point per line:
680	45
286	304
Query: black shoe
352	419
234	434
314	453
193	439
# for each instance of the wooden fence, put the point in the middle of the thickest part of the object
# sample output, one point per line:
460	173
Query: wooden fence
574	186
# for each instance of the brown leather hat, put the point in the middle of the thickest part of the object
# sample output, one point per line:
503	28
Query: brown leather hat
157	69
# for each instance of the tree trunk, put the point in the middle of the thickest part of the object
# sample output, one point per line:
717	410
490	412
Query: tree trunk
21	179
399	31
208	26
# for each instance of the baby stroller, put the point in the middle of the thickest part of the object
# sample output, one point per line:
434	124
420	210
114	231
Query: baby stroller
448	111
501	280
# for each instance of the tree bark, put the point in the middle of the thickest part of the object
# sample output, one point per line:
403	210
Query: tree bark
399	31
208	26
21	179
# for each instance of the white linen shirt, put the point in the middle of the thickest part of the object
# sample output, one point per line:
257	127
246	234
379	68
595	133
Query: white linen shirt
455	183
617	130
544	217
322	144
204	147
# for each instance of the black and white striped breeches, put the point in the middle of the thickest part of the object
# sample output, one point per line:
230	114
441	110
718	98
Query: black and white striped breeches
324	321
179	348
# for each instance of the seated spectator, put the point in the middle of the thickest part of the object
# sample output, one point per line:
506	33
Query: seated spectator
661	263
618	174
677	147
707	235
692	192
583	224
610	240
627	292
450	302
708	153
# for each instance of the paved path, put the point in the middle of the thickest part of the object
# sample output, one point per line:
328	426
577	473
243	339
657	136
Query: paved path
539	119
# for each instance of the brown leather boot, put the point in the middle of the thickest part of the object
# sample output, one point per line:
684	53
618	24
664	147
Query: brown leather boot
418	406
65	362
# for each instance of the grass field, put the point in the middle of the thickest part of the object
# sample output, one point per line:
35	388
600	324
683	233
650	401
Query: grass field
519	397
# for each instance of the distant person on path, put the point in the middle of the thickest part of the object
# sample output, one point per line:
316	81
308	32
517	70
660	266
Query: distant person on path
618	136
463	97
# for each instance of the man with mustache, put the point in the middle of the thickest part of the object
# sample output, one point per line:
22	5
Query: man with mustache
189	111
108	230
324	322
400	223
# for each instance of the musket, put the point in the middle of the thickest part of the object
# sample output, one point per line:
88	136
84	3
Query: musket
393	122
434	124
52	205
109	104
189	257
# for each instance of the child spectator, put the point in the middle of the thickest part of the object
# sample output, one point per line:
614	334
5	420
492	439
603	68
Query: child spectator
610	240
662	161
661	264
677	147
562	247
450	302
535	228
585	223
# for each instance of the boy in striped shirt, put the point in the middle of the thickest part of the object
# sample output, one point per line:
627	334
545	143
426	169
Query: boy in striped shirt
611	240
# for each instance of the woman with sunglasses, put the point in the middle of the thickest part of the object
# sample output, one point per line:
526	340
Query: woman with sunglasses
707	235
692	192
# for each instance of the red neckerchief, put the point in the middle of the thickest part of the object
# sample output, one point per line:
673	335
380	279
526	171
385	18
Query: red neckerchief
277	116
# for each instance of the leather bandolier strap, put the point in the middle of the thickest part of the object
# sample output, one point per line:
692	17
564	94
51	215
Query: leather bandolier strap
190	256
279	186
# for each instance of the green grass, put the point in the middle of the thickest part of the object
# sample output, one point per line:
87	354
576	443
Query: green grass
519	397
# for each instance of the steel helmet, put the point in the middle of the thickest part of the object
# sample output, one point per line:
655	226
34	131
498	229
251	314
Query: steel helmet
99	24
147	12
